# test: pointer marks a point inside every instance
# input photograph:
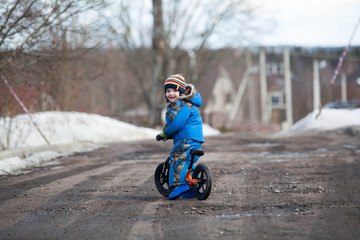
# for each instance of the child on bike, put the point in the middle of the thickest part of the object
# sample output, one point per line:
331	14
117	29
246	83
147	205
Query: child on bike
184	125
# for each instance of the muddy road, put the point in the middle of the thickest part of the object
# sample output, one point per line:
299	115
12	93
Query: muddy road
264	187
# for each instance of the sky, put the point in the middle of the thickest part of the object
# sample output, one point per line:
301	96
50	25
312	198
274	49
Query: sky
71	132
308	22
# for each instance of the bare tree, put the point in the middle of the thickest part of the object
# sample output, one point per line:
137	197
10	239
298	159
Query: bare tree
196	25
24	25
158	48
180	31
38	34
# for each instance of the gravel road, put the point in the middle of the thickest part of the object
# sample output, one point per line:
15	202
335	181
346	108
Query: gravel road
264	187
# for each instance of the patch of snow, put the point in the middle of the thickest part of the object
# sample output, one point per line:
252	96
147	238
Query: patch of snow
66	128
329	119
12	165
70	132
67	132
209	131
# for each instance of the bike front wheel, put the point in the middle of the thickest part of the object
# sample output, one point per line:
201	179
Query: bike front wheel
161	178
203	188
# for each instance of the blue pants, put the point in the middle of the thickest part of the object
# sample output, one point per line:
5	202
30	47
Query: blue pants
180	159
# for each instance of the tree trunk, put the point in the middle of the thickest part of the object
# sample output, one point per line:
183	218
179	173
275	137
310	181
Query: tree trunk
158	47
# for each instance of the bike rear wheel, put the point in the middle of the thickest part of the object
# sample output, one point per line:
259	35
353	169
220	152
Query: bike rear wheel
161	178
203	188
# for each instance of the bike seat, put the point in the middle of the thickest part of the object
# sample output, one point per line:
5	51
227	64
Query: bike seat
197	152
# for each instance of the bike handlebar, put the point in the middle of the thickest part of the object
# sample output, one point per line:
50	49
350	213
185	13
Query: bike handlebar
159	137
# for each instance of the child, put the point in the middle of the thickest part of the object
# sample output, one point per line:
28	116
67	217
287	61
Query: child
184	125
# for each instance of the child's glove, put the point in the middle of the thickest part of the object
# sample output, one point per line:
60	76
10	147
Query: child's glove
160	136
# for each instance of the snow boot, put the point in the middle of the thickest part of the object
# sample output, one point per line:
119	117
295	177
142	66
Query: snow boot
189	194
178	191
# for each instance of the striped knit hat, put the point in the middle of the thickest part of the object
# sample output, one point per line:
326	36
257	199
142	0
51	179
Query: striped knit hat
177	82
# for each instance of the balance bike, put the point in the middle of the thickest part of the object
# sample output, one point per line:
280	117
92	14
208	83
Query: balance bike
198	179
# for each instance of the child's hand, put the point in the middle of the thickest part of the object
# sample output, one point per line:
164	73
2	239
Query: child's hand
159	137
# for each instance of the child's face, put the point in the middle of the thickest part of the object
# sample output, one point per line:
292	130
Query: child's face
171	94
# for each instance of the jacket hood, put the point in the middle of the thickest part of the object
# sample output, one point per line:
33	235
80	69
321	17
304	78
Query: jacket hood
191	95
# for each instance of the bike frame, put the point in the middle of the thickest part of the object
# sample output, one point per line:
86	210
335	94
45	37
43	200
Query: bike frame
200	183
190	181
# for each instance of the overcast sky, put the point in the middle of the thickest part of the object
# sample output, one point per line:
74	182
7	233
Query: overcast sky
309	22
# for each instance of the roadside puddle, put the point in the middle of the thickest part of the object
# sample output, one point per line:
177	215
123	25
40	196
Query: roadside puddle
270	160
257	213
343	146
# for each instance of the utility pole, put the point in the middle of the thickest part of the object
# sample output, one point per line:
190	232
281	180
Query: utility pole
239	94
343	88
316	85
288	93
263	87
251	90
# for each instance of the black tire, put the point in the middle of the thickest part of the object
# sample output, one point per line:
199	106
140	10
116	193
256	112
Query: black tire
162	180
203	175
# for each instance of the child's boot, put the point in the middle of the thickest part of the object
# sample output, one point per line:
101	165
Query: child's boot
189	194
178	191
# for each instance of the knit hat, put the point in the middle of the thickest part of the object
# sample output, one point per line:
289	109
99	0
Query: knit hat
177	82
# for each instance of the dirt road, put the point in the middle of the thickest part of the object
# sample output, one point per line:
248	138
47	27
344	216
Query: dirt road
265	187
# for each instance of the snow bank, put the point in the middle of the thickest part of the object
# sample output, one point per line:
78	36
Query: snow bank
70	132
209	131
67	132
66	128
328	119
10	165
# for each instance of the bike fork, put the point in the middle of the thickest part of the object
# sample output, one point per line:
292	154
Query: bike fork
190	181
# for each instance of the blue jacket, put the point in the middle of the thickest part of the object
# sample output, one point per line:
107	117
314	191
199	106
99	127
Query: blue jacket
183	120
